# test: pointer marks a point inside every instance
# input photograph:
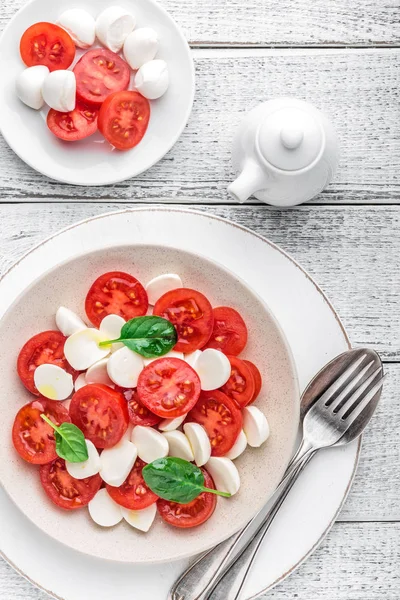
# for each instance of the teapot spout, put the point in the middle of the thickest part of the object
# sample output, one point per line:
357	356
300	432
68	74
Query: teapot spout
251	180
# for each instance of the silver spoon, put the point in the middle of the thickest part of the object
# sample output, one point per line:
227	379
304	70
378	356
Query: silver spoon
335	408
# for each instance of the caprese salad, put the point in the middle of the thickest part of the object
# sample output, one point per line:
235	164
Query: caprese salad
144	409
95	94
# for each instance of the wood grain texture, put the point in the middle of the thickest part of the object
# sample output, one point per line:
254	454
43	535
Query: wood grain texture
359	90
267	22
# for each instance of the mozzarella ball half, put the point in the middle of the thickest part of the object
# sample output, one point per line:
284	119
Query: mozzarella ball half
171	424
199	442
113	26
141	46
117	462
53	382
29	86
82	349
152	79
80	25
213	368
104	511
87	468
170	354
150	444
124	367
179	445
68	322
59	90
225	474
140	519
255	426
238	447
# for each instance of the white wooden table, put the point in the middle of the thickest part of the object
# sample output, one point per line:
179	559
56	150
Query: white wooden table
345	57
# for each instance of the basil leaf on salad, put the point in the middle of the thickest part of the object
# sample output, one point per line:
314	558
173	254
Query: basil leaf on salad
176	480
70	441
149	336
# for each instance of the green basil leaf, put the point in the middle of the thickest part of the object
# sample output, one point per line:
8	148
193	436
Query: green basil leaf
149	336
176	480
70	441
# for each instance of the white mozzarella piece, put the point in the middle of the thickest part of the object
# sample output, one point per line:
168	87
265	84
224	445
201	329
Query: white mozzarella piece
97	373
192	358
224	473
150	444
140	519
104	511
171	424
67	403
53	382
124	367
82	348
162	284
213	368
170	354
68	322
113	26
141	46
59	90
238	447
255	426
117	462
80	25
179	445
128	433
199	442
80	382
152	79
87	468
111	326
29	86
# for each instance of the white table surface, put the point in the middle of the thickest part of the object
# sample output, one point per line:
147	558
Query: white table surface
345	57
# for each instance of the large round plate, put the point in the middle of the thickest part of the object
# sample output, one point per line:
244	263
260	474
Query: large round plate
315	334
93	161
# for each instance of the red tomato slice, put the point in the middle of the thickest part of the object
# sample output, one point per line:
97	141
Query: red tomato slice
257	379
76	125
98	74
66	491
101	413
240	385
169	387
116	293
44	348
221	418
230	332
138	413
196	512
32	437
123	119
47	44
133	493
192	315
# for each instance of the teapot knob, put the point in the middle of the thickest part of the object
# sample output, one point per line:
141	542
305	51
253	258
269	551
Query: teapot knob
291	137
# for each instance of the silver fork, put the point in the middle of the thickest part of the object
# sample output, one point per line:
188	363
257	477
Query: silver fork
333	417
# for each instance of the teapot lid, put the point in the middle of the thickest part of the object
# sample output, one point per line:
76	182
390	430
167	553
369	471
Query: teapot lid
290	139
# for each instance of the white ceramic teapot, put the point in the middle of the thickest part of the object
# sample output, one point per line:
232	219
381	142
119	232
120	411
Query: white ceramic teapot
286	152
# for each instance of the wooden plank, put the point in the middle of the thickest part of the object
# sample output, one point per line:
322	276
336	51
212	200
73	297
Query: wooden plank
270	23
355	562
360	94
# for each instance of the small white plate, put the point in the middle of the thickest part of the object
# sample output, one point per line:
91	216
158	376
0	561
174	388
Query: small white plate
93	161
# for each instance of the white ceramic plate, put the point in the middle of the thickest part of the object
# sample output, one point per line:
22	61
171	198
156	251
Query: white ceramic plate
93	161
315	335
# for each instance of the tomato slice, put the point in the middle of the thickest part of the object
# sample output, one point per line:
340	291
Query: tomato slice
240	385
99	73
76	125
230	332
133	493
116	293
169	387
123	119
32	437
192	315
257	379
195	513
221	418
66	491
44	348
138	413
47	44
101	413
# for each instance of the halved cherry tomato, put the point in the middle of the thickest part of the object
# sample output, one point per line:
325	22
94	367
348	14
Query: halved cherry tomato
240	385
257	379
192	315
44	348
116	293
47	44
66	491
169	387
138	413
221	418
123	119
196	512
99	73
76	125
133	493
230	332
100	413
32	437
